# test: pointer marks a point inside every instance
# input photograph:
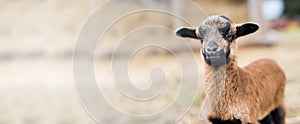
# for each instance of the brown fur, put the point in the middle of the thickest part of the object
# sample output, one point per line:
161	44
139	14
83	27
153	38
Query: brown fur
250	93
245	94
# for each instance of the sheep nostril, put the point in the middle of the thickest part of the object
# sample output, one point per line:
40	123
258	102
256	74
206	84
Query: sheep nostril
212	46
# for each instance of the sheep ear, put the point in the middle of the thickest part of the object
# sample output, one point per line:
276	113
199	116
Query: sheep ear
187	32
245	29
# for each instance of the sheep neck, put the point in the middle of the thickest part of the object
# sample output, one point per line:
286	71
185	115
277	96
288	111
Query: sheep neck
219	81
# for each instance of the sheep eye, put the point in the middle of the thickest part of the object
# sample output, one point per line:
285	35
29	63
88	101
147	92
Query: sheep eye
200	38
229	37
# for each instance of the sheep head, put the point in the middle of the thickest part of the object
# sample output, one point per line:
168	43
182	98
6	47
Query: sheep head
217	35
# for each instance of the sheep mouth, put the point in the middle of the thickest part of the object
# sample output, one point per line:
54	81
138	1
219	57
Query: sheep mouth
216	60
215	56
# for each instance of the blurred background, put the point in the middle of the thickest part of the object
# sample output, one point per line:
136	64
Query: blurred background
37	39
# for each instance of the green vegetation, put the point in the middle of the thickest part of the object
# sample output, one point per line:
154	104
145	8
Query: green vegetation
292	8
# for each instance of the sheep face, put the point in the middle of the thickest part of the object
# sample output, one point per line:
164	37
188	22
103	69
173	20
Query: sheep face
217	35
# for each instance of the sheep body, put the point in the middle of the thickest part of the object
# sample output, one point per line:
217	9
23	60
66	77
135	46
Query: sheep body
236	95
247	93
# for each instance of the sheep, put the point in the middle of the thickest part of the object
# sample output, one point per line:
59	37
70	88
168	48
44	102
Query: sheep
234	95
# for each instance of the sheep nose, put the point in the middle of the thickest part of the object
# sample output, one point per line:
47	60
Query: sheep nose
212	46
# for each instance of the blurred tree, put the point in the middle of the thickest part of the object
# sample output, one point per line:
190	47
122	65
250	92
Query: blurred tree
237	1
292	8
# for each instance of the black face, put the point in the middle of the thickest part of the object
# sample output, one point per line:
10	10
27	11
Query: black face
217	33
216	36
